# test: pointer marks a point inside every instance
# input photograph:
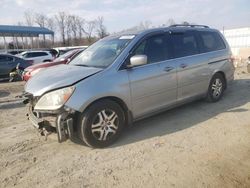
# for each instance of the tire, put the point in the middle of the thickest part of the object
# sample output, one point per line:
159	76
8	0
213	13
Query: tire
216	88
101	124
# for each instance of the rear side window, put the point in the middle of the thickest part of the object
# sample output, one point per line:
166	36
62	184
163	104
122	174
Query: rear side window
38	54
3	59
184	44
29	55
154	47
212	41
6	59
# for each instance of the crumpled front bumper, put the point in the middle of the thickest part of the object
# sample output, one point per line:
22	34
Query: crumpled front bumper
47	122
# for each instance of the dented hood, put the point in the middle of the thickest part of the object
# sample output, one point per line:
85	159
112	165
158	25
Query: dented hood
57	77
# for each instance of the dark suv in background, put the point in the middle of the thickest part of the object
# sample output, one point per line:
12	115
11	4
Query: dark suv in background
8	64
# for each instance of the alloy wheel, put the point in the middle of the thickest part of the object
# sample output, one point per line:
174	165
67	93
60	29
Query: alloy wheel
105	125
217	87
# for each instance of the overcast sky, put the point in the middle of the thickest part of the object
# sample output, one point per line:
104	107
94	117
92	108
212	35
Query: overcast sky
123	14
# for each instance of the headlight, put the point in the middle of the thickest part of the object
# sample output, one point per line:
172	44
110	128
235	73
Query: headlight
55	99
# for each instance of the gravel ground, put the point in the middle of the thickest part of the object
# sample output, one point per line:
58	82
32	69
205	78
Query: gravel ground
196	145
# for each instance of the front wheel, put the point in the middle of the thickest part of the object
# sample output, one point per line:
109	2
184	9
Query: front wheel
216	88
101	124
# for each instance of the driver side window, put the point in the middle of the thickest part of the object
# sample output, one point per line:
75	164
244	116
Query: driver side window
154	48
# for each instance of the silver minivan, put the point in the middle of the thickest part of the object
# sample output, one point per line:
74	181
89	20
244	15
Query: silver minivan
123	78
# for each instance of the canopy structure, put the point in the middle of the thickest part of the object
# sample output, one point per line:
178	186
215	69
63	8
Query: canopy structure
23	31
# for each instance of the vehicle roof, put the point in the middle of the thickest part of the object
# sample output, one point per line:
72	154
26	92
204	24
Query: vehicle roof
35	51
6	54
177	28
10	55
70	47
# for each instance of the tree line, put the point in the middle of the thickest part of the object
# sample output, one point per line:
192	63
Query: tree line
74	30
71	29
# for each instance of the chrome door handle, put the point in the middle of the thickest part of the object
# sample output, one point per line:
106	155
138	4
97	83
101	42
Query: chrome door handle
167	69
183	65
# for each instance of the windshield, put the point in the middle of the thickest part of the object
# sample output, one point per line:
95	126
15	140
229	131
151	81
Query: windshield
102	53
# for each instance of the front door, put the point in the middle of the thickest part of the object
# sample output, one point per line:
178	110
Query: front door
154	85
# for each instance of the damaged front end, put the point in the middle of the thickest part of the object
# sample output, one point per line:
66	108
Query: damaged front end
59	121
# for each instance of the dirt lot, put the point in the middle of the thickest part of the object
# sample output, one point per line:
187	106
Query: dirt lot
196	145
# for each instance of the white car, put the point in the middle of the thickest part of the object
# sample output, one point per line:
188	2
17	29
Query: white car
37	56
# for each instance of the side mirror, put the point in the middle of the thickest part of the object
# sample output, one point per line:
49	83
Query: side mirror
138	60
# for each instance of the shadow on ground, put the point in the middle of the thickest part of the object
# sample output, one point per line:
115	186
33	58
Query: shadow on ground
188	115
11	105
4	93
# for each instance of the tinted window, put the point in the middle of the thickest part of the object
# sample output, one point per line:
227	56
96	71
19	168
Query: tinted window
10	58
37	54
2	59
28	55
184	44
6	59
155	48
211	41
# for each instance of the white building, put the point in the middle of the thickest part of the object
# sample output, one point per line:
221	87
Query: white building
239	41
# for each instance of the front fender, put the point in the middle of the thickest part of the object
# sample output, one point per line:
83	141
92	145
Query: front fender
105	84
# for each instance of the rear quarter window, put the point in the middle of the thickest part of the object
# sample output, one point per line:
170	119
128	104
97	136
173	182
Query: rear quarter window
212	41
38	54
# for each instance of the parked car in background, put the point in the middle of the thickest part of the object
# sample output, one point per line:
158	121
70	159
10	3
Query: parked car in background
63	59
37	56
58	51
8	64
14	52
124	78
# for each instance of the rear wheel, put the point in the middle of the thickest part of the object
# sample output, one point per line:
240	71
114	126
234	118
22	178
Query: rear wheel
101	124
216	88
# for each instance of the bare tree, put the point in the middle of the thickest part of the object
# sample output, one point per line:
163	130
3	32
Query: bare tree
20	23
170	22
29	18
69	28
90	26
40	19
61	21
101	29
74	27
141	26
80	27
50	24
144	25
185	23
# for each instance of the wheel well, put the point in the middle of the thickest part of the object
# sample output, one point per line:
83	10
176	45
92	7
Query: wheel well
121	103
224	77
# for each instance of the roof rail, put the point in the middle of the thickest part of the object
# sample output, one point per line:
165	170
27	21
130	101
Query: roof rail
191	25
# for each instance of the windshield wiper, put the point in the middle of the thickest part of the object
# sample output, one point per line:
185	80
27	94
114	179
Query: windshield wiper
82	65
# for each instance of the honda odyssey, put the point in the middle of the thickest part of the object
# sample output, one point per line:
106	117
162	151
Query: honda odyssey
126	77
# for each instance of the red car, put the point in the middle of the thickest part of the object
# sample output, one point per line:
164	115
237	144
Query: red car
63	59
